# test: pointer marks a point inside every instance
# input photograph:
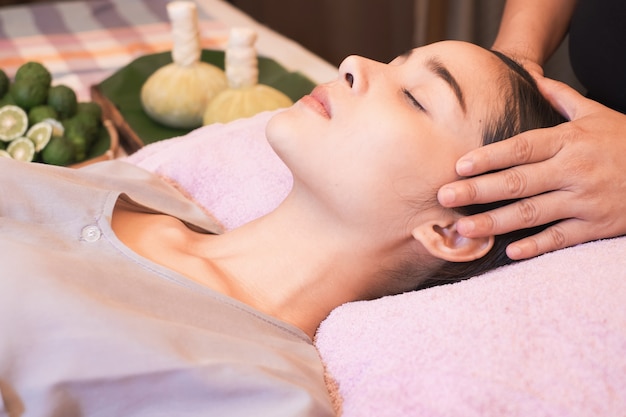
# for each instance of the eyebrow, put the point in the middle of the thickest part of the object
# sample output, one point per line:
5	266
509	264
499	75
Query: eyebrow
442	72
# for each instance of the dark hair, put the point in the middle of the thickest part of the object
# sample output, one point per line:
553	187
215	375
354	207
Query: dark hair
524	109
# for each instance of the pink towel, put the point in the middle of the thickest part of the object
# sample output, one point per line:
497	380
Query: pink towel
545	337
228	169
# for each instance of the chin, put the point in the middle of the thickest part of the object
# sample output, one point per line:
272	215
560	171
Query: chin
281	131
277	126
288	125
291	135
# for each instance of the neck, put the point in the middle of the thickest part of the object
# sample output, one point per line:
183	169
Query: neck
293	264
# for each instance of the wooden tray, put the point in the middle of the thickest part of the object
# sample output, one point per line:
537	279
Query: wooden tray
119	95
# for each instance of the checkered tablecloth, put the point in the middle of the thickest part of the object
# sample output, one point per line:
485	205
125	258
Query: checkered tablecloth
83	42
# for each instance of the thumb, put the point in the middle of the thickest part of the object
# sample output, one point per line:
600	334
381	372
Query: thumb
562	97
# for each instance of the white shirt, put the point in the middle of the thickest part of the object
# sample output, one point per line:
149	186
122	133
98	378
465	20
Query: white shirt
90	328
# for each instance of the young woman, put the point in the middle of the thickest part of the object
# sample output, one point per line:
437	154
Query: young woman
117	299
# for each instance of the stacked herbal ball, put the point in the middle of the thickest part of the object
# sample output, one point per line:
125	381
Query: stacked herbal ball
45	123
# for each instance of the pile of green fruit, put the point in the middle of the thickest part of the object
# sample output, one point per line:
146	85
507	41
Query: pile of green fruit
45	123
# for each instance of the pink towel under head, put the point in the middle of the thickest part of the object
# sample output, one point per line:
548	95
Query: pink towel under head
228	169
545	337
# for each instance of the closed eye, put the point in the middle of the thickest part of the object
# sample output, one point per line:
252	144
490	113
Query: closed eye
412	100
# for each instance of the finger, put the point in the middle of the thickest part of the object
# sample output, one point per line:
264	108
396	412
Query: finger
528	146
523	214
524	148
566	100
561	235
513	183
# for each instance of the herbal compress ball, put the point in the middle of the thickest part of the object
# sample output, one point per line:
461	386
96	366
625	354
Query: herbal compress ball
177	94
244	96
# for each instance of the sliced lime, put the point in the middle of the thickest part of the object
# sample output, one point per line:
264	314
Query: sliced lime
13	122
57	127
40	134
22	149
4	154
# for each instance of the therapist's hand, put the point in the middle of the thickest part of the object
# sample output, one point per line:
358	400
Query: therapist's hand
574	173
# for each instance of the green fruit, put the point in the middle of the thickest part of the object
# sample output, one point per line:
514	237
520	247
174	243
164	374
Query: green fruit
35	73
59	151
83	125
4	83
90	107
27	94
7	100
40	113
80	146
86	119
82	130
101	144
63	100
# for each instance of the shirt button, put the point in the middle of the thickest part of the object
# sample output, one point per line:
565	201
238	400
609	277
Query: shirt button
90	233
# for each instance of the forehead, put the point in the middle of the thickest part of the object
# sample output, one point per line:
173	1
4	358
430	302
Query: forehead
477	71
461	57
469	64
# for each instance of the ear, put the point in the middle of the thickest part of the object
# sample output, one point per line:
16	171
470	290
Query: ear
442	240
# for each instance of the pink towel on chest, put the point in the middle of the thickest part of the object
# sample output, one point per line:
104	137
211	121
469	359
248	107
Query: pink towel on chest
228	169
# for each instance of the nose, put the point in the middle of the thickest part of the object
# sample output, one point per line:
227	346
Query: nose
354	71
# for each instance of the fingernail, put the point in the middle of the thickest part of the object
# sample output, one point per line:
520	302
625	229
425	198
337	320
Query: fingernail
465	226
514	251
446	196
464	167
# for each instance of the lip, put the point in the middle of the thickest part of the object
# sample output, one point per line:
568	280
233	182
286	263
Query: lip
318	101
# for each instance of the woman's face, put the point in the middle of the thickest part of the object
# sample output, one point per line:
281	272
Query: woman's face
384	136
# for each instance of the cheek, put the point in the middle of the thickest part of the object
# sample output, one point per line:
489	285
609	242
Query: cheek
364	150
419	164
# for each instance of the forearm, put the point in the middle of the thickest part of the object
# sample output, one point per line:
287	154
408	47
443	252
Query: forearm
533	29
